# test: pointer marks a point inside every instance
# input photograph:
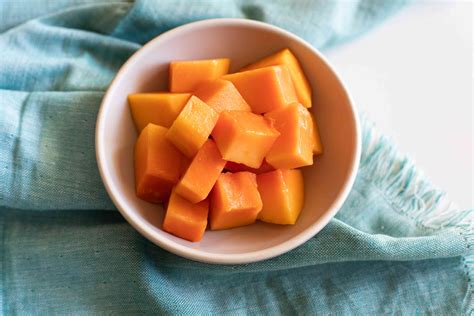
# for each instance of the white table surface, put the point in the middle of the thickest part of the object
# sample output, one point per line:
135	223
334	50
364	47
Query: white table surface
413	76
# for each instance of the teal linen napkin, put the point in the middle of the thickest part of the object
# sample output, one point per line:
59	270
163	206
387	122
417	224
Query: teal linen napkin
398	246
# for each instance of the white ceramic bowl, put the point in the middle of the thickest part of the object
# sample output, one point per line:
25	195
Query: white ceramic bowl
327	182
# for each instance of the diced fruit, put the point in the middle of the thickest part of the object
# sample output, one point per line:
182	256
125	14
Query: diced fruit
294	147
316	139
201	174
192	127
157	108
186	75
221	95
235	201
261	131
237	167
185	219
244	137
265	89
286	57
282	193
157	164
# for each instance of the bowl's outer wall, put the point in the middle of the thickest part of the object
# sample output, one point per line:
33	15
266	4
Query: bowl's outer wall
327	182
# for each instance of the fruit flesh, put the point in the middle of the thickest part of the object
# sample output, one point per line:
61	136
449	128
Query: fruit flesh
294	147
235	201
157	164
282	193
237	167
192	127
244	137
316	138
265	89
202	173
157	108
260	132
185	76
221	95
286	57
185	219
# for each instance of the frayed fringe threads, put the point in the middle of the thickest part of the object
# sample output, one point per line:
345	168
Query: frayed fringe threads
405	186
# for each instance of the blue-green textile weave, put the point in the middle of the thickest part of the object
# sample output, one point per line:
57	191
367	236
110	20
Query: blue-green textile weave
396	247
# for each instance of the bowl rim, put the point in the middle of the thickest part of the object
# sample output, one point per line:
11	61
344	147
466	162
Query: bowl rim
193	253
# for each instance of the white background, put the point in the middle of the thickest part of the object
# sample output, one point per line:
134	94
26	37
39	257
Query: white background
413	76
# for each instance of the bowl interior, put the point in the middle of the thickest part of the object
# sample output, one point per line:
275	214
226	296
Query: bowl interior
326	182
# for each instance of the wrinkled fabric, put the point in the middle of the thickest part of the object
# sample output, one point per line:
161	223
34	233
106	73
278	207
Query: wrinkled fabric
397	246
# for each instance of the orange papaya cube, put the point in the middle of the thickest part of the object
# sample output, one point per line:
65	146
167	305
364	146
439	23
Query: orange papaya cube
192	127
221	95
286	57
265	89
185	219
157	108
294	147
201	174
282	193
316	139
235	200
244	137
157	164
237	167
186	75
